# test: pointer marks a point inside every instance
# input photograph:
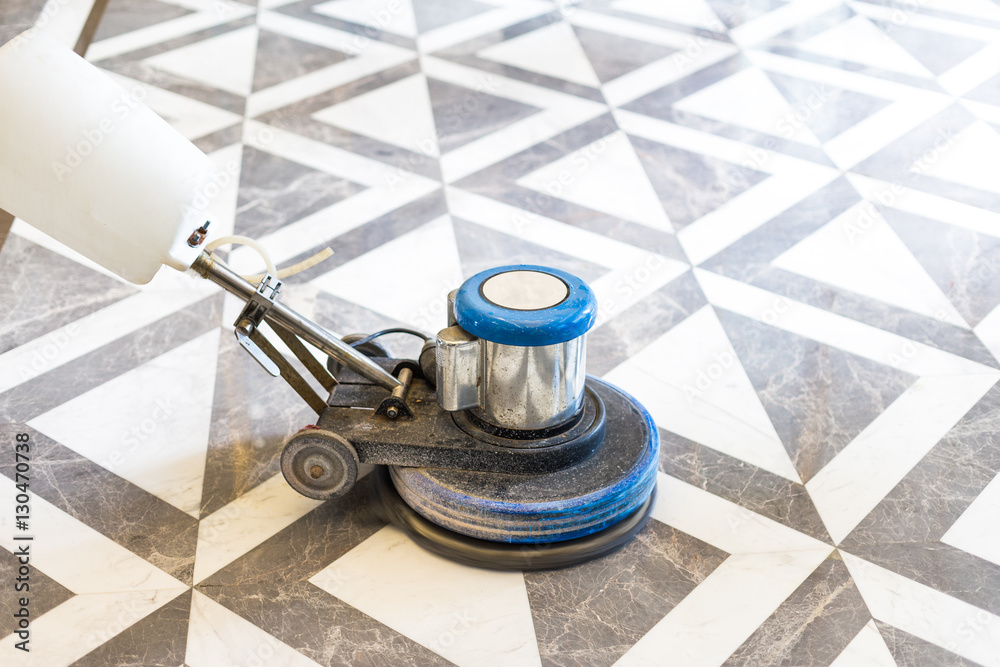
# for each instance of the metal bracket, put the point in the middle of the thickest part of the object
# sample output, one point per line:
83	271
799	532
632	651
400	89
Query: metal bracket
261	301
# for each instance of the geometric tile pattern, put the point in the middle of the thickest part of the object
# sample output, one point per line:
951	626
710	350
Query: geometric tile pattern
788	210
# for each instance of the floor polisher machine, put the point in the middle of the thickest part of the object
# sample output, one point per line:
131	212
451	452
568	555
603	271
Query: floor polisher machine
493	447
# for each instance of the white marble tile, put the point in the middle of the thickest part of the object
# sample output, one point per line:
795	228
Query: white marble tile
223	11
553	51
831	329
217	637
254	517
149	425
399	114
695	13
868	468
769	113
768	562
976	530
225	62
926	613
973	71
378	279
606	176
779	20
693	384
63	20
988	331
506	13
395	16
867	649
858	251
77	556
858	40
79	625
560	112
968	158
468	615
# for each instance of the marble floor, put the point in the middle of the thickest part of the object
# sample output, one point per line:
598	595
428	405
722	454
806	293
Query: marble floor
789	210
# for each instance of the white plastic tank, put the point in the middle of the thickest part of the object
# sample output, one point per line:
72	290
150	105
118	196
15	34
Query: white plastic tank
83	160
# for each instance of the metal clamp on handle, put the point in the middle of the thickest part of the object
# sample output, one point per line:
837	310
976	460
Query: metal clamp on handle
262	300
281	315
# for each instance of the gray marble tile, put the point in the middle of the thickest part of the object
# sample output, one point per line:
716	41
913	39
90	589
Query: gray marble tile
158	640
55	387
963	263
304	10
812	626
633	329
253	415
45	593
825	109
941	567
481	248
613	55
18	16
122	16
135	519
734	13
739	482
280	58
42	291
988	91
819	398
935	493
220	139
593	613
935	50
274	192
910	651
657	103
691	185
432	14
462	115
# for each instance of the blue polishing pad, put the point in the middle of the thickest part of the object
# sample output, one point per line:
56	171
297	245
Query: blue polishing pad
569	503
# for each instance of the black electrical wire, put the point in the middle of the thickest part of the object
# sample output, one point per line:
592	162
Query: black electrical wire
369	338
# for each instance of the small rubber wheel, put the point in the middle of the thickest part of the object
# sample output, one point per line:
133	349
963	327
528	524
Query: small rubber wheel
319	464
388	505
369	349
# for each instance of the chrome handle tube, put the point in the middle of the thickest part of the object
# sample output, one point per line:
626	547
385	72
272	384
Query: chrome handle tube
285	317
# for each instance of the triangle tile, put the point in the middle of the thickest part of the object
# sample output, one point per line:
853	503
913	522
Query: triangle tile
970	158
691	381
158	639
828	594
819	398
432	14
274	192
988	91
156	441
593	613
225	62
46	592
467	615
735	13
962	262
679	177
482	248
605	176
36	307
252	417
281	58
696	13
124	16
376	114
726	101
867	648
826	109
462	115
428	251
858	251
858	40
553	51
937	51
395	16
907	649
613	55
